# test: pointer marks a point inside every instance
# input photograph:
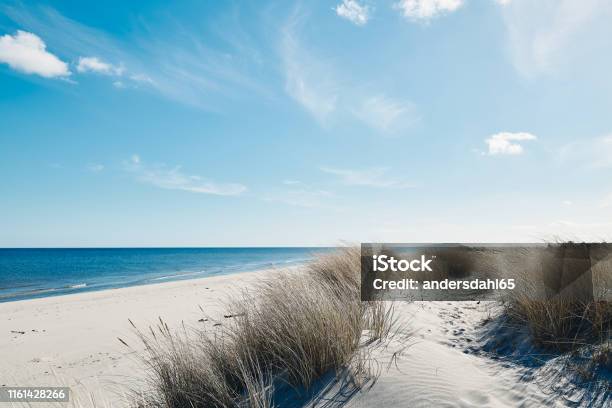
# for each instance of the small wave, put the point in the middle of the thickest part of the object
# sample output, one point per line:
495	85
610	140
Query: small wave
163	277
77	286
299	260
178	275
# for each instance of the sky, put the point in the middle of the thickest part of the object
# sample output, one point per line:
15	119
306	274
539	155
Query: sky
256	123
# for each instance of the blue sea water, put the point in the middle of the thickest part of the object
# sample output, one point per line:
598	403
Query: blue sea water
32	273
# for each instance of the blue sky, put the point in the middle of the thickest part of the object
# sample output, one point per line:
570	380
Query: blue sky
197	123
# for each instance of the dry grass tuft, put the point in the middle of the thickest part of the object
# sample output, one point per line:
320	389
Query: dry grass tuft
562	324
570	317
297	328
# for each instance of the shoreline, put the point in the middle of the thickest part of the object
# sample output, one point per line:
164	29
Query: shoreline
84	288
72	339
138	285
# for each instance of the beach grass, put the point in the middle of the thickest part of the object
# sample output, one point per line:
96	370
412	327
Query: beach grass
563	312
293	328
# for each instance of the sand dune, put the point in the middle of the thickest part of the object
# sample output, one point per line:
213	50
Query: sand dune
436	370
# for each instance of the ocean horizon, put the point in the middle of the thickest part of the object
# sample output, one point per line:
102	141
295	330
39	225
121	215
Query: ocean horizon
27	273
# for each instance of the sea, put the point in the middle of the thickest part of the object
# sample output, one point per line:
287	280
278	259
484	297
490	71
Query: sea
41	272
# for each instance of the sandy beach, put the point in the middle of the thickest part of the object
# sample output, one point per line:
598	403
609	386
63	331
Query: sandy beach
72	340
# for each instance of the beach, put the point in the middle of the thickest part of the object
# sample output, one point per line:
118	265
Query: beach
435	357
72	340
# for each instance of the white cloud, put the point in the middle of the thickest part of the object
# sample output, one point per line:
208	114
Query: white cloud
426	9
385	114
372	177
593	153
548	36
174	179
502	143
26	52
353	11
503	2
94	64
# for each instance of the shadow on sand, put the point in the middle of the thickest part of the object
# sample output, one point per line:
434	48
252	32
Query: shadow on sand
576	376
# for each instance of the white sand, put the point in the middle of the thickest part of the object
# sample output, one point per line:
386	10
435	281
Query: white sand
72	341
436	371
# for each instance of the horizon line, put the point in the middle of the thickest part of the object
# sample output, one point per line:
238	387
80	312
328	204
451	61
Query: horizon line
170	247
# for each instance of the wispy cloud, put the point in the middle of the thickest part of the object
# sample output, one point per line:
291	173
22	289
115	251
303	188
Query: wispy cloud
95	64
593	153
547	36
88	48
26	52
426	9
308	80
328	93
371	177
386	114
353	11
172	178
174	60
506	143
143	78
